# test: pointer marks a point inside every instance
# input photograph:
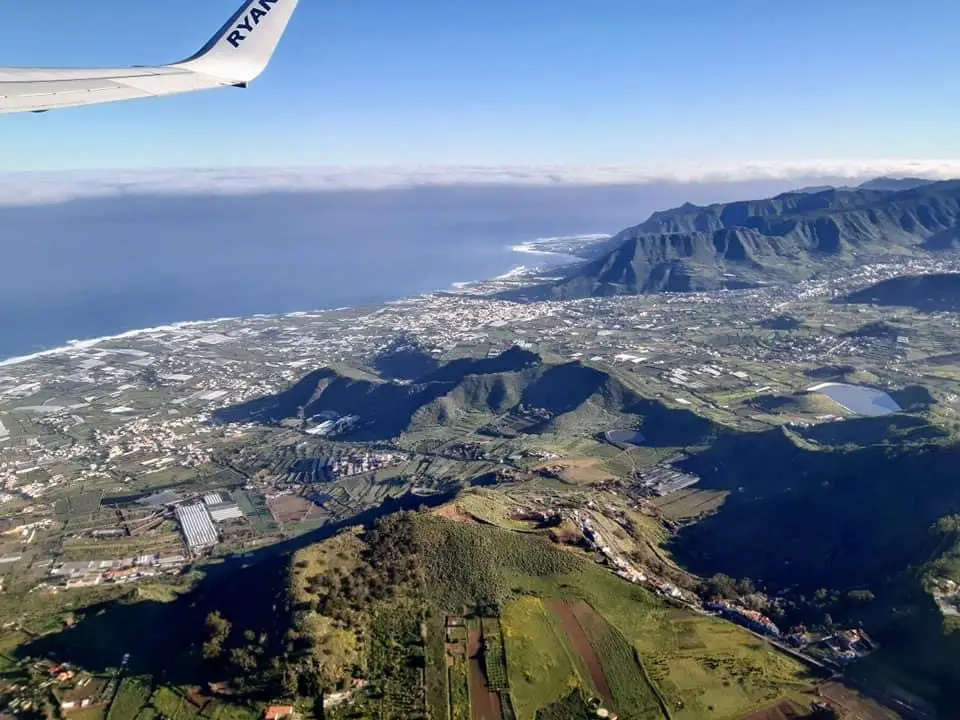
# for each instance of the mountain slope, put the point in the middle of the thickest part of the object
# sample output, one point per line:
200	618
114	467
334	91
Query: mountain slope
516	389
845	507
786	238
931	293
423	589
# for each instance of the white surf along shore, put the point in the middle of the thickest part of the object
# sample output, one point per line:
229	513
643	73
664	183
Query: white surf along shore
545	248
532	247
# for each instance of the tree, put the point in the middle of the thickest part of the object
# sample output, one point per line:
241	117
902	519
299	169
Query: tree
719	585
243	660
218	630
947	525
289	681
211	649
218	625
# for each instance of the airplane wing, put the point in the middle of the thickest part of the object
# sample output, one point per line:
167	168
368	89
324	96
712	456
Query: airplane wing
236	55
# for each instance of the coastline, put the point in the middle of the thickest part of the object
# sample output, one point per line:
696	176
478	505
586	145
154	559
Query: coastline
531	247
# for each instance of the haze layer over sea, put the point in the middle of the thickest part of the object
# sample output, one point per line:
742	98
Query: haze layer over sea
97	266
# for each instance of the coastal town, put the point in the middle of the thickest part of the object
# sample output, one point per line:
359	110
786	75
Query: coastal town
118	467
124	416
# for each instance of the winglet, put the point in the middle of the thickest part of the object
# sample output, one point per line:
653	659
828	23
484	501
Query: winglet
242	49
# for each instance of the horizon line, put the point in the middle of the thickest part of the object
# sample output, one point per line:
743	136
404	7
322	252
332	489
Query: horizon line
32	187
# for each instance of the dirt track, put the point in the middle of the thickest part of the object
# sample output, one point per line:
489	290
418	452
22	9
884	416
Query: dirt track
484	703
580	643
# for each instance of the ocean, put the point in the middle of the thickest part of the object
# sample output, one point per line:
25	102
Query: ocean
93	267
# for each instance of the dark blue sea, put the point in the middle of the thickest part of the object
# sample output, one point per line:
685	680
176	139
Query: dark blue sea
93	267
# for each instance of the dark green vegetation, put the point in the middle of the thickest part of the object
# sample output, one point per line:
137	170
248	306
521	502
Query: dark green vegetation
572	707
494	659
853	505
929	293
514	392
844	516
357	612
619	662
228	624
132	697
361	614
786	238
443	568
459	690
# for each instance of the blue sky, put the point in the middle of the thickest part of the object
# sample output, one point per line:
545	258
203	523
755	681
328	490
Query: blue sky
375	82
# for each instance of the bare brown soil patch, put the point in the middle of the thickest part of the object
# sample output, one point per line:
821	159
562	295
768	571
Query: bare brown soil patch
484	703
291	509
567	612
455	512
581	470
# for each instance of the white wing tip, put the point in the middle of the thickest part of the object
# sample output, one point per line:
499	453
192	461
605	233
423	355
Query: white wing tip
243	47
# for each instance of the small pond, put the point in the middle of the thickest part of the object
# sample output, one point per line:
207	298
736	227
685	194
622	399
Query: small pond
624	437
857	399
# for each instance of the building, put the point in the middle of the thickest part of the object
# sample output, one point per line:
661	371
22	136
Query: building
224	511
278	712
197	527
752	619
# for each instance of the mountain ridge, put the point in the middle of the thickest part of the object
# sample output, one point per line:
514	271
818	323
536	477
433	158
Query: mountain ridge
786	238
516	391
935	292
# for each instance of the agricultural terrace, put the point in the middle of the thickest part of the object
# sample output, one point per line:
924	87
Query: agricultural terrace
542	666
694	662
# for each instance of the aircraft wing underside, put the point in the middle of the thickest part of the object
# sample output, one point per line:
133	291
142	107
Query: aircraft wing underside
238	54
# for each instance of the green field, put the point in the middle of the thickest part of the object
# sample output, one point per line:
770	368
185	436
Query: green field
494	508
633	695
171	705
467	564
459	690
689	503
393	658
436	668
705	663
219	711
541	666
133	695
571	707
254	510
372	605
494	659
9	642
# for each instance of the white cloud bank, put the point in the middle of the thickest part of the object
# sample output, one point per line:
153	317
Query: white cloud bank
39	188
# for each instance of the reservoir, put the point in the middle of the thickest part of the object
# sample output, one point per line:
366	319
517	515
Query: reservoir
624	437
860	400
